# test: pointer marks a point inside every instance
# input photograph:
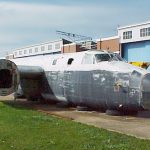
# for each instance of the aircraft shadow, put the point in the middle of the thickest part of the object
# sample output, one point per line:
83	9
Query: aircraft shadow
51	106
37	105
143	114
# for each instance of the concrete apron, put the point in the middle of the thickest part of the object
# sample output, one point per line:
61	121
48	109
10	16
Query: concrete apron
138	126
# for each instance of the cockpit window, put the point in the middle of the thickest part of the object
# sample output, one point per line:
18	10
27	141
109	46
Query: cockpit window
108	57
102	57
88	59
113	57
119	58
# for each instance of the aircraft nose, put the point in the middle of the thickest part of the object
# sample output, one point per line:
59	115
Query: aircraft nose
146	91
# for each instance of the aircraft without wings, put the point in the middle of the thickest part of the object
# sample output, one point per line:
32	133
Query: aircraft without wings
95	79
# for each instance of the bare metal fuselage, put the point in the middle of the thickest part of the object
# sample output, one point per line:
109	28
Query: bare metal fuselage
114	85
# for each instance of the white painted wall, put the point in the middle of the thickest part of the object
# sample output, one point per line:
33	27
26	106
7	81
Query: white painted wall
45	51
135	32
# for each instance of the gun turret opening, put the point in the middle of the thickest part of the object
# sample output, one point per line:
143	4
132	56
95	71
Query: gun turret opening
9	77
5	78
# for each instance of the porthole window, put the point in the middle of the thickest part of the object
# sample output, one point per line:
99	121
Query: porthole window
54	62
70	60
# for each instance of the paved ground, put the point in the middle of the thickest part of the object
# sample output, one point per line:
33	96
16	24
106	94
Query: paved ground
135	126
138	126
9	97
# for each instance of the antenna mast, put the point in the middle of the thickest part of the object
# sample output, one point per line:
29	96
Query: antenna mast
73	37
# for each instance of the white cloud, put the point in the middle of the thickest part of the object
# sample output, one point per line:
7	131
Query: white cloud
51	15
26	23
21	14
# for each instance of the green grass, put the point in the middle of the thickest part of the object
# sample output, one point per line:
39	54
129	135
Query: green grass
24	129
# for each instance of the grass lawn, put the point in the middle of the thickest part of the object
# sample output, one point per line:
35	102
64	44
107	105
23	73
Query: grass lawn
24	129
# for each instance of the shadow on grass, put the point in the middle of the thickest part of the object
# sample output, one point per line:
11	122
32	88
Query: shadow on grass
37	105
51	106
143	114
17	104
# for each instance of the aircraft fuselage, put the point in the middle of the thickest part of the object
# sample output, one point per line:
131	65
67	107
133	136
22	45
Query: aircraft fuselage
92	78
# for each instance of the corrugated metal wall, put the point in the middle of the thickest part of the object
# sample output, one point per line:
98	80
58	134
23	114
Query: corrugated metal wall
137	51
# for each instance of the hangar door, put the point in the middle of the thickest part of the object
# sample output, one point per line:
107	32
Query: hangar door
137	51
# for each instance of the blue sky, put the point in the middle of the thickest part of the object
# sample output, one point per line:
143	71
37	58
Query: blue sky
27	22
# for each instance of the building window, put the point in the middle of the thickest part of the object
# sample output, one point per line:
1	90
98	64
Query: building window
42	48
15	53
20	52
57	46
25	51
36	49
30	50
145	32
127	35
49	47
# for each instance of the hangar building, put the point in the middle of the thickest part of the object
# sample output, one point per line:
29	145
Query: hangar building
110	43
51	47
135	42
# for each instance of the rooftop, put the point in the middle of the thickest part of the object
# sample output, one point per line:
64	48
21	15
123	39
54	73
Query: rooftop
133	25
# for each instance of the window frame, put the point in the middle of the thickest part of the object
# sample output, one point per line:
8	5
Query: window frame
50	47
57	46
42	48
16	53
36	49
127	35
25	51
144	32
20	52
30	51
